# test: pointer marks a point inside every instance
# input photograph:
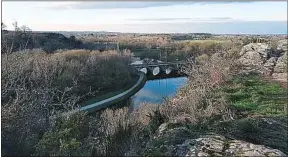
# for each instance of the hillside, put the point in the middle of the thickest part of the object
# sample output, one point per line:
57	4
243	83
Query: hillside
49	42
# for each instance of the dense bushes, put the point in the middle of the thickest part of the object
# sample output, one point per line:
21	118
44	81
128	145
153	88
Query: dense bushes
36	85
44	84
200	99
66	137
107	133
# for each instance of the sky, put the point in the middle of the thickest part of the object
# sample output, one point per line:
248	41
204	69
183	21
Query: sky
256	17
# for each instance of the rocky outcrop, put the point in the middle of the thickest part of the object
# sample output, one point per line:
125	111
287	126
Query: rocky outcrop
216	145
254	55
172	139
257	57
252	59
282	45
269	65
261	48
280	69
281	65
281	77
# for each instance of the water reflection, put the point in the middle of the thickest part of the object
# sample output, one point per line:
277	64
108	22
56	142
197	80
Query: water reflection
155	90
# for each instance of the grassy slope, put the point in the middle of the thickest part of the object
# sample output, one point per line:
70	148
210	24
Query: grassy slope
251	96
261	108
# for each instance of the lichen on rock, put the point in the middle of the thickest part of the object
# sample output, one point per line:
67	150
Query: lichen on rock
180	141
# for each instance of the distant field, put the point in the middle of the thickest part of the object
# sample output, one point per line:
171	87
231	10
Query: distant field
143	53
203	41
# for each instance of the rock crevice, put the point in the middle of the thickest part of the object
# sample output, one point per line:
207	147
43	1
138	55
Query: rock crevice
258	57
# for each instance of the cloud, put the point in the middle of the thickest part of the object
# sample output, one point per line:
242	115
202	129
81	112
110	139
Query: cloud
116	5
225	2
233	27
147	94
185	19
126	5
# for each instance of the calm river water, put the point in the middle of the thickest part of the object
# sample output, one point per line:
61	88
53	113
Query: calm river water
155	90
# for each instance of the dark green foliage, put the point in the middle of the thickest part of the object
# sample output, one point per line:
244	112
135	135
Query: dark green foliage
120	141
156	119
190	36
66	138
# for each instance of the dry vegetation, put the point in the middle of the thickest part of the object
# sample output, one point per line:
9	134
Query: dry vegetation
36	85
200	99
42	84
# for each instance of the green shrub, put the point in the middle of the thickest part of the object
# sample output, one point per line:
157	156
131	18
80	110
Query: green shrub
66	138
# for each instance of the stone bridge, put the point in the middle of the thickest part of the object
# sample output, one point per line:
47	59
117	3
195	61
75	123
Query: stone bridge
158	68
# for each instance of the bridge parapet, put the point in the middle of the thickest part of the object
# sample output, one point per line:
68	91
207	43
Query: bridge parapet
157	68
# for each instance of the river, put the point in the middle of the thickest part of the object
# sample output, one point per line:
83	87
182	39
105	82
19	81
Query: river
154	91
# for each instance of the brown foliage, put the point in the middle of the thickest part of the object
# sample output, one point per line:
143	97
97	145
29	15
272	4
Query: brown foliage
36	85
200	100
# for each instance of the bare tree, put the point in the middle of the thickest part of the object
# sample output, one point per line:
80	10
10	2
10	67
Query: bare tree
3	26
18	38
26	36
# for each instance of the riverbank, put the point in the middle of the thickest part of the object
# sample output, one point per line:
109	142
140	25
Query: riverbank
218	112
259	118
116	98
36	86
227	109
108	94
221	111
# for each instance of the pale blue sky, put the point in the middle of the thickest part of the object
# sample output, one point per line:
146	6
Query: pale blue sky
149	17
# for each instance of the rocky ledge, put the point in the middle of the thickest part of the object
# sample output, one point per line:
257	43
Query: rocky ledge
181	141
261	58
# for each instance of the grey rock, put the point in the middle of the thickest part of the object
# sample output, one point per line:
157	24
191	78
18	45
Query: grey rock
281	65
162	128
281	77
269	65
216	145
180	141
261	48
253	56
242	148
207	145
282	45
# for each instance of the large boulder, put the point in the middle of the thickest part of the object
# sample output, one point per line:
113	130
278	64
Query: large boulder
174	139
281	65
280	69
282	45
216	145
261	48
257	57
252	58
280	77
254	55
269	65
